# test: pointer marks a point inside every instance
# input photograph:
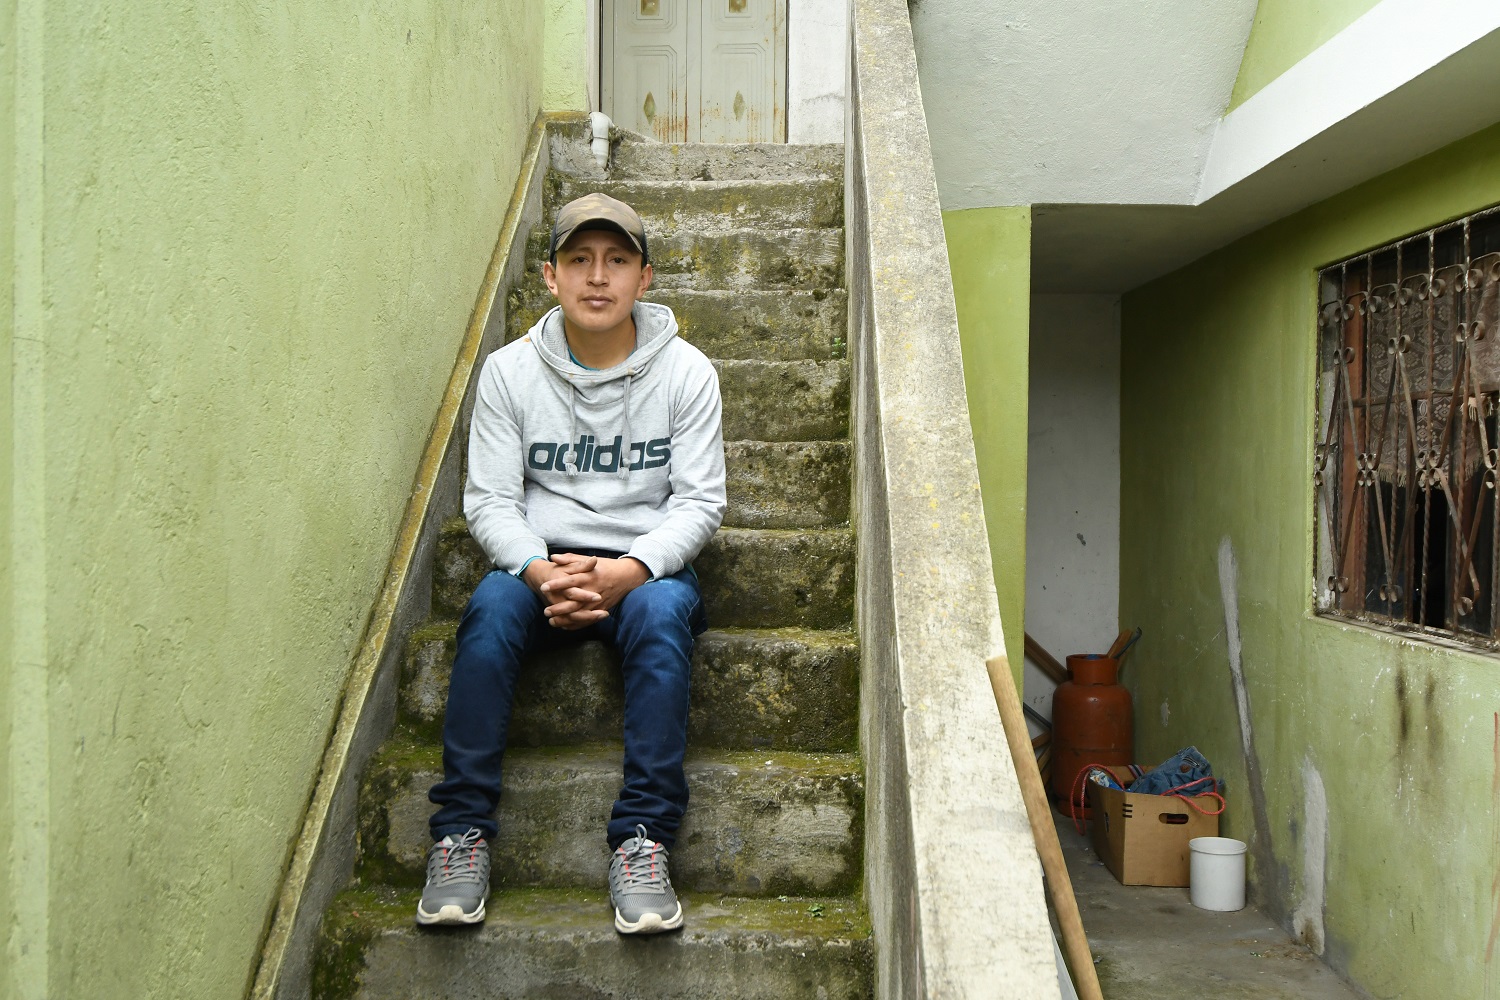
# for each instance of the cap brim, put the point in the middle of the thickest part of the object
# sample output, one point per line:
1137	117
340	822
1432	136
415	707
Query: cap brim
564	235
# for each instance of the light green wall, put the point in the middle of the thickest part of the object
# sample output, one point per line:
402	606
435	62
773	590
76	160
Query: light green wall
565	56
989	252
262	230
7	417
1217	405
1286	31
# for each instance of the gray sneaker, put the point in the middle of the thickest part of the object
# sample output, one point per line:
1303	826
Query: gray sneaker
458	881
640	889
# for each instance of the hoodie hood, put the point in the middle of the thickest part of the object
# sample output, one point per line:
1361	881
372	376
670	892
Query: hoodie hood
655	326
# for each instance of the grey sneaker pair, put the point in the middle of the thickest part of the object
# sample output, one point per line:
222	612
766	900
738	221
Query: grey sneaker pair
458	881
640	889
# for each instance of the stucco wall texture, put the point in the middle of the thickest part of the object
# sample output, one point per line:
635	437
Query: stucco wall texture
1380	755
262	228
1285	32
989	254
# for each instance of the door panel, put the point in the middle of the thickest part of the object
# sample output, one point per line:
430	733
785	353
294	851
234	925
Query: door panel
697	70
737	99
646	68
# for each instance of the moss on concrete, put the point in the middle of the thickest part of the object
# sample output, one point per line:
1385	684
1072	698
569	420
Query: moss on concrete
784	400
714	206
794	484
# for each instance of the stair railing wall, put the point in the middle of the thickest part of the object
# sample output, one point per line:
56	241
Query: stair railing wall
322	857
952	876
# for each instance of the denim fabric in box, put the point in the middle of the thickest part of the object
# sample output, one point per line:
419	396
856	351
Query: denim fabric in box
1185	768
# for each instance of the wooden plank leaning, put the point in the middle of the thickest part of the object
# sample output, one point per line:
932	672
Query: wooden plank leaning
1059	885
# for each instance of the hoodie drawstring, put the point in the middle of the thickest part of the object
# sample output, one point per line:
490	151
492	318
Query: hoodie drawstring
573	434
624	463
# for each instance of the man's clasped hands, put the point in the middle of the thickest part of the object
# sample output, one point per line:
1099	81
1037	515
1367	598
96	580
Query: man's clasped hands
582	589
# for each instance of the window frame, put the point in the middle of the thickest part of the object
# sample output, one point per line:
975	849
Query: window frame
1385	434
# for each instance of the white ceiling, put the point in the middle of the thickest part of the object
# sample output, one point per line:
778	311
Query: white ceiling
1035	101
1112	126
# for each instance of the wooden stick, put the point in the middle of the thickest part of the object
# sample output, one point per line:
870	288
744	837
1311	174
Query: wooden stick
1075	942
1045	660
1040	741
1119	643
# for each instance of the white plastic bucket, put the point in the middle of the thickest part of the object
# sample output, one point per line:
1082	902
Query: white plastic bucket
1217	873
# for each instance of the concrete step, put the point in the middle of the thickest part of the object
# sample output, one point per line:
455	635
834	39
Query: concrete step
751	577
737	259
716	206
760	823
784	400
787	484
638	157
562	944
768	689
767	326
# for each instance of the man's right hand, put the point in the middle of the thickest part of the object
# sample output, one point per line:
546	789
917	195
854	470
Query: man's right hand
570	609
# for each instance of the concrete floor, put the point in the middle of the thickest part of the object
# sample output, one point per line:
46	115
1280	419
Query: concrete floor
1153	944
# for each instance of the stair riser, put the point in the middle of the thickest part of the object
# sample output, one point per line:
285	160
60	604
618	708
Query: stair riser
750	579
763	831
713	206
521	966
766	326
791	485
801	259
784	400
661	161
580	957
749	691
762	579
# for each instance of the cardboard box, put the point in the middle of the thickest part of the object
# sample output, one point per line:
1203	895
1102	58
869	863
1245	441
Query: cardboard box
1143	839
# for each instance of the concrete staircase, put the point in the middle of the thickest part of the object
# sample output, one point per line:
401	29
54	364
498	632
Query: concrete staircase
747	244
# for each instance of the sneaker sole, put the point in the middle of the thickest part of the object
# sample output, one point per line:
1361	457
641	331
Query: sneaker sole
454	914
650	923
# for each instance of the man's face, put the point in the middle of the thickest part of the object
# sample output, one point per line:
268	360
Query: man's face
597	279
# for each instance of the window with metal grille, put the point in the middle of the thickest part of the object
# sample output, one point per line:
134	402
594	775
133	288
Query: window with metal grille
1408	446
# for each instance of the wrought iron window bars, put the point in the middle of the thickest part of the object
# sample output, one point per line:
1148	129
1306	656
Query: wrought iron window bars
1408	439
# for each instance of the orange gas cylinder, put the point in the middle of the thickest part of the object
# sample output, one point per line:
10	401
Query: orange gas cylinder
1092	723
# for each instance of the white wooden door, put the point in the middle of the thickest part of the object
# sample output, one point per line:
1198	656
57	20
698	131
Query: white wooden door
696	70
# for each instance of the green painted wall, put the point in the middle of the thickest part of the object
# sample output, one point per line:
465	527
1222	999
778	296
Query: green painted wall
1286	31
262	229
7	417
565	56
1216	412
989	252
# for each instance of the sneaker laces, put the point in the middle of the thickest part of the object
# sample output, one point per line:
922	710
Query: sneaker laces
640	868
457	861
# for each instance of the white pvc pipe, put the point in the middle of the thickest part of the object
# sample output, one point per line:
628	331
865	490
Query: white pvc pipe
599	125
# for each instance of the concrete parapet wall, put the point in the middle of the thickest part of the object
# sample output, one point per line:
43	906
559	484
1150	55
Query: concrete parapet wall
952	876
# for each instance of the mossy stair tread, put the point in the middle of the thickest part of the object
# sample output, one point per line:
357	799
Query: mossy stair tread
783	689
406	753
752	324
640	157
759	824
713	205
562	943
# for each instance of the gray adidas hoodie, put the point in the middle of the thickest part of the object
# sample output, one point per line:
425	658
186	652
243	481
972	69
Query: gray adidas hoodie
630	458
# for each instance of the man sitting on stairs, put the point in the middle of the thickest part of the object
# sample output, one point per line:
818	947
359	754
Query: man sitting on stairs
596	474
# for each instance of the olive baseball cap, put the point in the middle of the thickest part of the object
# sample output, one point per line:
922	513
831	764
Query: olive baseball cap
598	211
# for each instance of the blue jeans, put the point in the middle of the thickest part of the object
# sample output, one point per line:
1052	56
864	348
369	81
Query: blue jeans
653	628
